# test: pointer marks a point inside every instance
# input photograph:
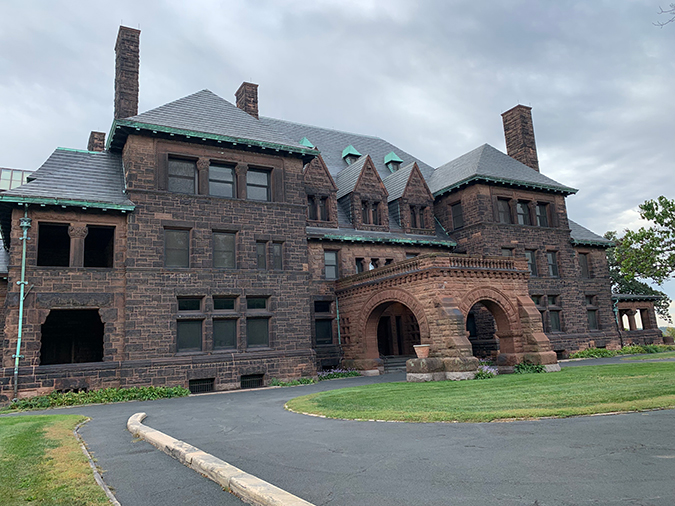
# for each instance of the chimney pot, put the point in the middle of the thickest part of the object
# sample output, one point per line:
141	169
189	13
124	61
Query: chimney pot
127	61
247	98
96	141
519	135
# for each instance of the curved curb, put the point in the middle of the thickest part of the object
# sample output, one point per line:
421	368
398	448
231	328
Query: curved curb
245	486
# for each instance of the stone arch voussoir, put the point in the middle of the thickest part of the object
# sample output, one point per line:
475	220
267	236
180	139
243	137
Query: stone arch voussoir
395	295
498	298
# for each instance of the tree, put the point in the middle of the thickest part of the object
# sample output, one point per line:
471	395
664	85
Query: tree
670	11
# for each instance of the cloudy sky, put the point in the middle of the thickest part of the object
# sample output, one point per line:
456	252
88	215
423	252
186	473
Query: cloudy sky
429	76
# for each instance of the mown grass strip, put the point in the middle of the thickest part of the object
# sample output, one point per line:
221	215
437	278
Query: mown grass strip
41	463
573	391
660	356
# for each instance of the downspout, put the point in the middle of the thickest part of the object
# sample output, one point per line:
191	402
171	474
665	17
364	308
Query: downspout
25	224
337	312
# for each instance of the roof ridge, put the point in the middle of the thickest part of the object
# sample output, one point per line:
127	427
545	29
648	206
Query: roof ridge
322	128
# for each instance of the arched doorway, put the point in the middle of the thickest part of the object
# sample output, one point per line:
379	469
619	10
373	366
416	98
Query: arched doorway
482	332
397	330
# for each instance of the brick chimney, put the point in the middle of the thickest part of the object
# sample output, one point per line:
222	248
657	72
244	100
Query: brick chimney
519	134
247	98
127	59
96	141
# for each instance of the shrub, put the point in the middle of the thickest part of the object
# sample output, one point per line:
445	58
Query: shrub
103	396
528	368
485	371
594	353
646	348
338	373
274	382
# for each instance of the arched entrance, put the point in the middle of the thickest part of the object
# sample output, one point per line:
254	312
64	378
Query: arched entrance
482	332
397	330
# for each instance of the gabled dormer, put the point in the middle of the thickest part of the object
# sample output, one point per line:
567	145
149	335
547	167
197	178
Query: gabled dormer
410	200
321	193
392	161
363	196
350	154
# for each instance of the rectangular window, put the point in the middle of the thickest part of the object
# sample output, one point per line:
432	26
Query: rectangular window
554	317
422	223
222	181
182	176
504	211
457	215
507	252
542	215
552	259
376	213
277	256
324	331
592	315
224	250
322	306
258	185
365	215
53	245
225	334
189	335
531	256
177	248
359	265
583	265
413	217
261	255
523	213
323	209
223	303
256	303
257	332
189	304
330	264
311	208
99	246
411	255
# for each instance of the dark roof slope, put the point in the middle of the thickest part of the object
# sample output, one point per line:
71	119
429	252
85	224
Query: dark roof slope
395	183
490	165
347	178
74	177
331	143
584	237
205	112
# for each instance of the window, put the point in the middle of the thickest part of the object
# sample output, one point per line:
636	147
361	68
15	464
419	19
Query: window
592	312
224	303
182	176
256	303
370	213
374	264
542	215
365	215
177	248
583	265
375	209
258	185
53	245
552	259
504	211
322	306
71	336
224	250
257	332
411	255
323	209
323	323
311	208
222	181
551	312
413	217
457	215
99	246
330	264
189	335
225	334
189	304
507	252
417	217
261	255
554	318
388	261
277	256
523	213
531	256
359	265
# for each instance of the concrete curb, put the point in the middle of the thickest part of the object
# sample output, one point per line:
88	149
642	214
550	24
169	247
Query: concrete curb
245	486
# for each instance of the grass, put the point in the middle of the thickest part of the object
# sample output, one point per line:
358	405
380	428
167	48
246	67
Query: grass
573	391
41	463
660	356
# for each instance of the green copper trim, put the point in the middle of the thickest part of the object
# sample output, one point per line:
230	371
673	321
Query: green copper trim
510	182
305	142
50	201
78	150
119	123
385	240
392	157
350	150
601	244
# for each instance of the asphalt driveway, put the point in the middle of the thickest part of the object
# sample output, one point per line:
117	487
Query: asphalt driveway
601	460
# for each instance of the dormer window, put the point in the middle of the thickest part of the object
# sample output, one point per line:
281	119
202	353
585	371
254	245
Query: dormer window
350	154
392	161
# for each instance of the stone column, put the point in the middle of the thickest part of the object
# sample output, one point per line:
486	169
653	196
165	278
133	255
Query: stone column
203	176
241	169
631	319
77	234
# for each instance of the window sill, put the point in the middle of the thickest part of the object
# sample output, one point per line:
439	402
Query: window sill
258	348
187	353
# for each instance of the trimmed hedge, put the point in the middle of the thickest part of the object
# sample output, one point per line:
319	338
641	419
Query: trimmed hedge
636	349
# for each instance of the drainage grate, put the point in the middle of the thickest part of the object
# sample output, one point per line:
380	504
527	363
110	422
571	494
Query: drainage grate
252	380
201	386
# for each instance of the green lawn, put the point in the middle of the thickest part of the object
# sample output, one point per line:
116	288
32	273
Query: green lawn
41	463
652	356
573	391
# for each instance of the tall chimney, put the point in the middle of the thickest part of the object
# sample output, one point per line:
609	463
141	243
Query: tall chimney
127	59
96	141
247	98
519	134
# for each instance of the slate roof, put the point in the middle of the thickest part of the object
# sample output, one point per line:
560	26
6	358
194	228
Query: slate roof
396	182
584	237
486	163
347	178
208	114
331	143
75	177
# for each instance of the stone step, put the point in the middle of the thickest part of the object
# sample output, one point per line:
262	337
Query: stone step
395	363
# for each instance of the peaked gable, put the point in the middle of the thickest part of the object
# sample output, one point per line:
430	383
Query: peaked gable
317	176
416	189
369	180
407	181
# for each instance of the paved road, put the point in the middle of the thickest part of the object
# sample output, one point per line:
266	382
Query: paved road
603	460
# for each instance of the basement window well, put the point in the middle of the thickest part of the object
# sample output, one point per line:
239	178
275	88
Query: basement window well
72	336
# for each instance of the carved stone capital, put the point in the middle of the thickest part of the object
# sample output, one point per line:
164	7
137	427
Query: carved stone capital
78	232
